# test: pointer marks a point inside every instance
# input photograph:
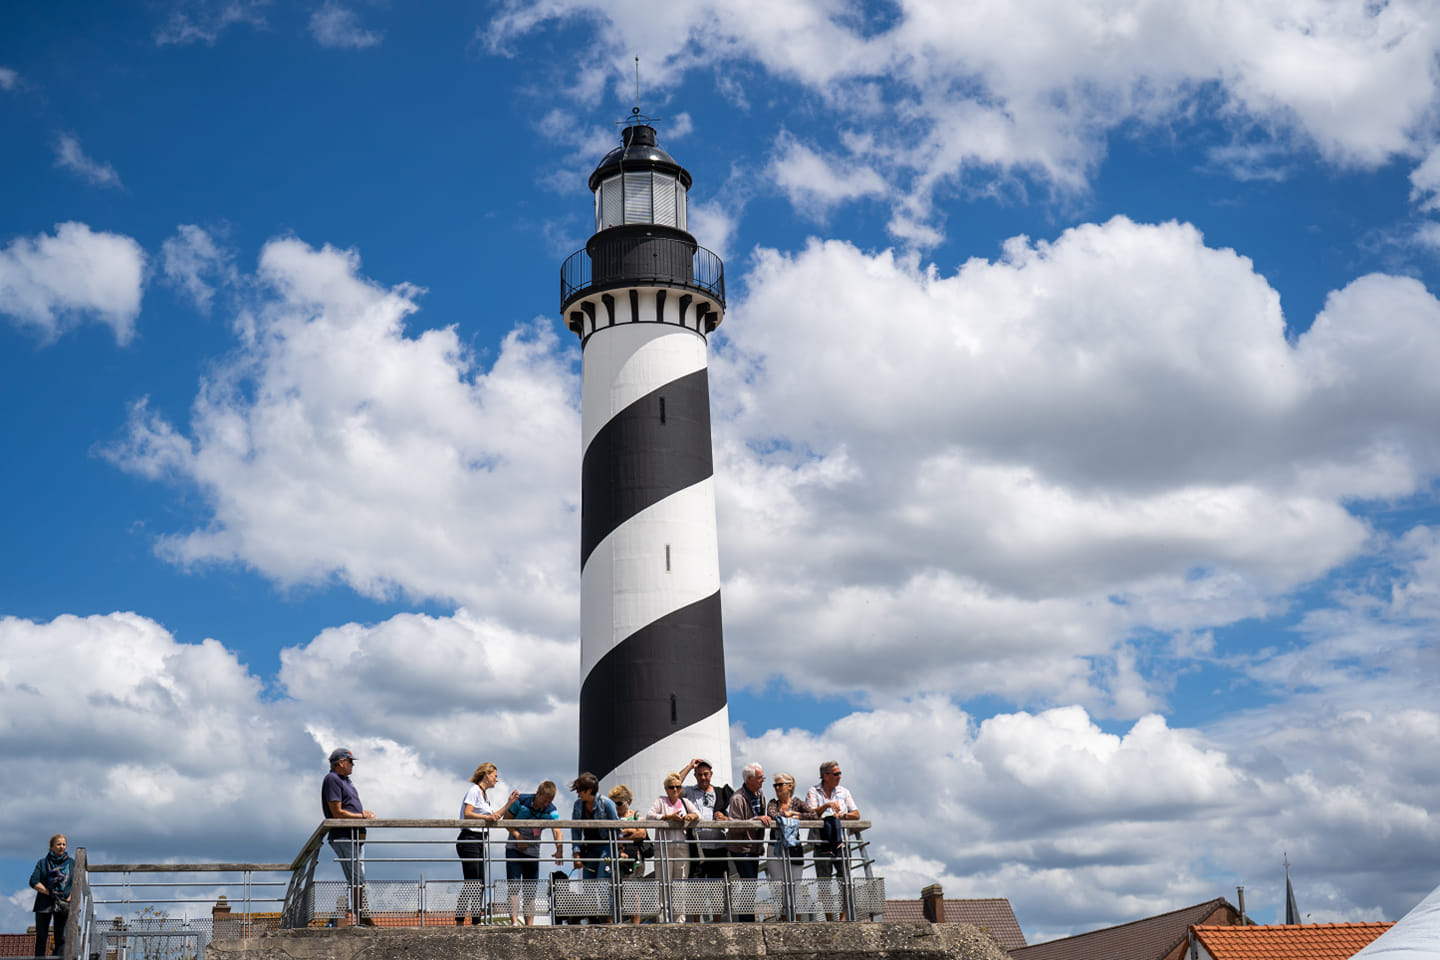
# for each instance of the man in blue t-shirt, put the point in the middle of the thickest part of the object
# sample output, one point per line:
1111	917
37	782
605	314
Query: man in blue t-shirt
522	852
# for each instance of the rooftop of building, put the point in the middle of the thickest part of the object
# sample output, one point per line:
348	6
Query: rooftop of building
1147	939
991	913
1307	941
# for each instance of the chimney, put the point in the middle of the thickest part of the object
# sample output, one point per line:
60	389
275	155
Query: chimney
220	918
932	900
1240	896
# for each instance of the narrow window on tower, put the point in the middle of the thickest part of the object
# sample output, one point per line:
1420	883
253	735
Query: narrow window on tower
674	711
667	558
662	409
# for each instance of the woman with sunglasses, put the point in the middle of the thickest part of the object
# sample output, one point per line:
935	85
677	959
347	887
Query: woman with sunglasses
787	854
674	807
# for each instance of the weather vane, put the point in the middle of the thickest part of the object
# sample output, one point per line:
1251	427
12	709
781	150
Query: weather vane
636	117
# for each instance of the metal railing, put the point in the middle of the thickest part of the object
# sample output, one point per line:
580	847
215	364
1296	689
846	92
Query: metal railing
603	879
611	885
639	260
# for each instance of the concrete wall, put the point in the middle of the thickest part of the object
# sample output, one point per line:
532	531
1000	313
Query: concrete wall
790	941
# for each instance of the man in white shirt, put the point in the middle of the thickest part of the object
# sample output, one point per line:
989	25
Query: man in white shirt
832	800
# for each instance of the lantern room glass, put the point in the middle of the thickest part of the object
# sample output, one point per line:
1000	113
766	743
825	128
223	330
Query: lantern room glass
640	196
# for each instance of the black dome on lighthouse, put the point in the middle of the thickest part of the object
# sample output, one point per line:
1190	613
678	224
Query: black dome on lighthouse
638	152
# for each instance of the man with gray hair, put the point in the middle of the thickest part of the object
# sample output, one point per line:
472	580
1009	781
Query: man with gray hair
831	800
748	803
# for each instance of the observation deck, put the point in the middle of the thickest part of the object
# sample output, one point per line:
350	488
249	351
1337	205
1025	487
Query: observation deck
641	255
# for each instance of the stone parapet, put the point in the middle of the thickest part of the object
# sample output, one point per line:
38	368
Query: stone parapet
780	941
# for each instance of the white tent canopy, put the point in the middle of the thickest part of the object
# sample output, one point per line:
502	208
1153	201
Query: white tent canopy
1415	937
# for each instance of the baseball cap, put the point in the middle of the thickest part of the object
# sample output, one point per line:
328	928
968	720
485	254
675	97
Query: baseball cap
340	753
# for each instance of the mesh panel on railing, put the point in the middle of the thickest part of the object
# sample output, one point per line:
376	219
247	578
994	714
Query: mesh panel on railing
525	897
640	897
581	898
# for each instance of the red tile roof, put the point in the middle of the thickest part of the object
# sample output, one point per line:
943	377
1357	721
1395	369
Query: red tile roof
1309	941
993	914
1152	938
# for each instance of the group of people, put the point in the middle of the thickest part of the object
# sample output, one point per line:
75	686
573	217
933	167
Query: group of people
690	850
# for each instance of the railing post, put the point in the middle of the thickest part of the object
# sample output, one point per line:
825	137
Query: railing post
866	865
487	889
662	878
616	911
79	903
847	889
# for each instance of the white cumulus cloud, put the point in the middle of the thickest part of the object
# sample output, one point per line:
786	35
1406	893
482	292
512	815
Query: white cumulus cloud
193	263
952	95
336	444
51	282
814	182
979	481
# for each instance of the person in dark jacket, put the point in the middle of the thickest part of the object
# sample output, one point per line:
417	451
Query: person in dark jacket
748	803
51	882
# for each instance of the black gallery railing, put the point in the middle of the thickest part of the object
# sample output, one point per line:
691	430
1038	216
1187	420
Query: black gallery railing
639	260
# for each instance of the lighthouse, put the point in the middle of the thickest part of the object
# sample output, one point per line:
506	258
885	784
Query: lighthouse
643	297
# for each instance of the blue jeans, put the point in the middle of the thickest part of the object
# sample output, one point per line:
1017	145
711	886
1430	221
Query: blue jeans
351	855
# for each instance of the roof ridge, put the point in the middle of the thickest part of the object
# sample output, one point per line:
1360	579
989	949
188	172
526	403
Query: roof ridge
1294	926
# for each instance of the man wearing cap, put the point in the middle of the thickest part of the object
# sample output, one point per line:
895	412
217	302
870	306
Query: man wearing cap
339	800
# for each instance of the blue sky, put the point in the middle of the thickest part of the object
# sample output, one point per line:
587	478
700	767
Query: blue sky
1075	423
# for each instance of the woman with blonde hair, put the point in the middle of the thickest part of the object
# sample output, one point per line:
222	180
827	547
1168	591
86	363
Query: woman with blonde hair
672	806
470	843
787	855
51	881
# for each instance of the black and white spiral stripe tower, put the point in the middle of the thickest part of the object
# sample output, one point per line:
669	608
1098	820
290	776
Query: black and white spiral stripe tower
643	296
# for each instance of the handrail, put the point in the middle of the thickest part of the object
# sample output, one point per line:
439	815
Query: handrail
190	867
727	825
316	838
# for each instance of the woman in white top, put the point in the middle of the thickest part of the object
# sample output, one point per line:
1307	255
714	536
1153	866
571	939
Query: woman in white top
470	844
672	806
